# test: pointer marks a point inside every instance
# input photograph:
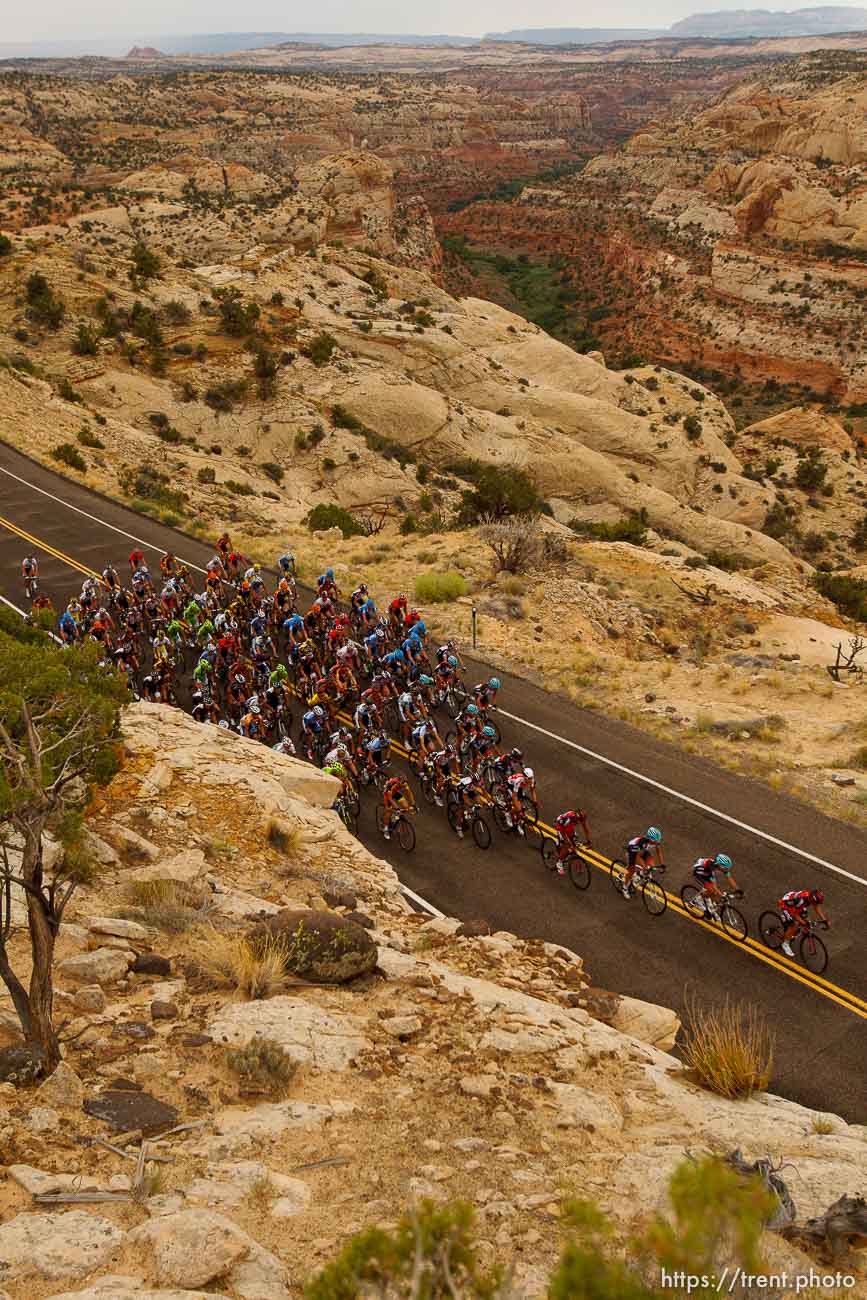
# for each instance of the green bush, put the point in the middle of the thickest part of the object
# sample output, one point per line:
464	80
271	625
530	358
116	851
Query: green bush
324	516
496	492
238	319
632	529
68	454
223	396
238	489
5	245
811	470
409	525
692	428
145	264
86	342
714	1228
152	487
320	350
176	313
274	471
440	588
88	439
44	307
343	419
847	593
206	474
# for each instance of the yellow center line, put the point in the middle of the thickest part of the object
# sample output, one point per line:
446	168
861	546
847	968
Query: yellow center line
50	550
833	992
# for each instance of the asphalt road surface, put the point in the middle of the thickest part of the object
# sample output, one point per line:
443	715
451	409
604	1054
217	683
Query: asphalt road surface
820	1023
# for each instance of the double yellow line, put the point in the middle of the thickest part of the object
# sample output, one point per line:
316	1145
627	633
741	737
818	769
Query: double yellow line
833	992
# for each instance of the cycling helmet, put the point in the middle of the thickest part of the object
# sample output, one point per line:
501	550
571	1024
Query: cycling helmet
494	683
489	733
320	580
724	861
654	834
398	655
471	710
329	573
516	753
336	769
452	661
380	634
318	711
529	774
224	724
239	679
816	896
424	680
419	628
254	708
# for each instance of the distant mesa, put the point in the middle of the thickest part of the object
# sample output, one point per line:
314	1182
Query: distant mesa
144	52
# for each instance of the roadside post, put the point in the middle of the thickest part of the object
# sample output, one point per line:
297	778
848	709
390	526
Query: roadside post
475	625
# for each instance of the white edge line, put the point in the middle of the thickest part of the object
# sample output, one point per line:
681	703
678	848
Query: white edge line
639	776
150	546
422	902
685	798
23	614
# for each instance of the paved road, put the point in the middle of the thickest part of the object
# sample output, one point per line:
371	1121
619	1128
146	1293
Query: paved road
822	1025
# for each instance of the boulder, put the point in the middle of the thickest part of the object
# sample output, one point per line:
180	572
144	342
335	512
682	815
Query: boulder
321	946
306	1033
196	1247
187	867
69	1244
658	1026
62	1088
20	1065
163	1010
118	928
132	846
576	1107
227	1183
124	1109
150	963
103	966
89	998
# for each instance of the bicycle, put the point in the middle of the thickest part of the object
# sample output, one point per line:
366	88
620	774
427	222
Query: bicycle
401	826
454	698
653	896
479	828
703	908
812	950
575	865
347	810
31	587
501	800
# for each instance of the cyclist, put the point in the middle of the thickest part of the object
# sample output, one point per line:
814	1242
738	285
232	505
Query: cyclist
251	723
443	764
521	783
284	746
485	694
29	570
377	748
467	794
409	712
566	825
793	908
467	723
336	768
313	724
644	847
705	872
397	798
110	578
68	627
136	561
482	745
424	739
286	565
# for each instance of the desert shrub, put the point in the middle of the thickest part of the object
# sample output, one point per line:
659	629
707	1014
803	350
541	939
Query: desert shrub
238	489
86	341
632	529
263	1064
496	492
5	245
274	471
692	428
283	836
811	470
409	524
728	561
68	454
440	588
229	961
516	543
87	438
223	396
729	1048
206	475
150	485
176	313
169	905
44	307
847	593
324	516
237	318
320	349
343	419
145	263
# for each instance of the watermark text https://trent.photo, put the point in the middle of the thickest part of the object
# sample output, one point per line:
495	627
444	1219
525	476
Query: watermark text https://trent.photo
736	1281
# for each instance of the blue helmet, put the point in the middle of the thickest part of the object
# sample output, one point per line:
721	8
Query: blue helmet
723	861
494	683
654	834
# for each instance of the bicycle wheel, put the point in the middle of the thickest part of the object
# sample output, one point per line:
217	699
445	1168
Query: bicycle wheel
481	832
579	871
405	835
814	954
451	738
692	901
349	819
653	897
380	817
501	818
733	922
428	790
618	874
771	929
452	815
548	850
456	698
352	801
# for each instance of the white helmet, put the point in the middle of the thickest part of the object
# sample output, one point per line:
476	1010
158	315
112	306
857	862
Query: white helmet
529	774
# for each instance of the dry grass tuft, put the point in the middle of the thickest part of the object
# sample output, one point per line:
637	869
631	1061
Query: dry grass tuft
822	1125
263	1066
729	1048
168	905
283	836
230	962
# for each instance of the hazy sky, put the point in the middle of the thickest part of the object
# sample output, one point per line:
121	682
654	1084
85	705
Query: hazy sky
45	20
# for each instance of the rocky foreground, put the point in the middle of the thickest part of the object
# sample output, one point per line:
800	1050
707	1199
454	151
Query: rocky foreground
427	1058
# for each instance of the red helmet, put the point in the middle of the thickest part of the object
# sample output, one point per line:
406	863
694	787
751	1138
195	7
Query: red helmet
817	896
